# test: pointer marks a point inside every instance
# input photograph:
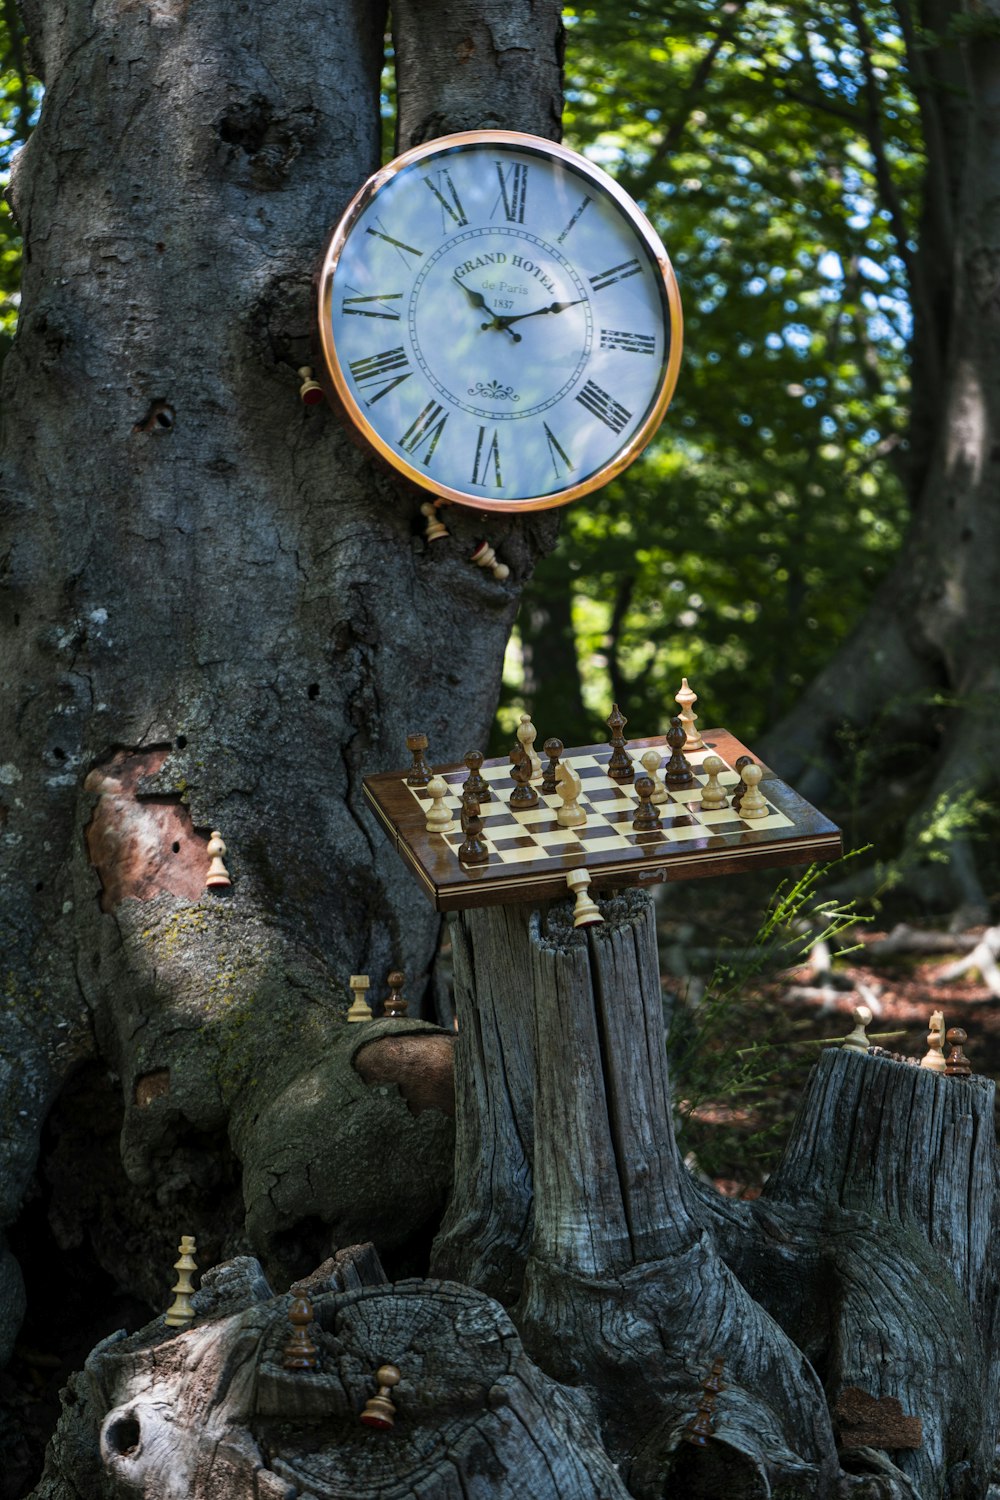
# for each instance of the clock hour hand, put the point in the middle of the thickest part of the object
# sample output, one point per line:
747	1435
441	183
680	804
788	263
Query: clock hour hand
478	300
553	307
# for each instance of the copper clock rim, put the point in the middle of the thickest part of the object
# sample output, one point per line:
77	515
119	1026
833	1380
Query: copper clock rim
345	398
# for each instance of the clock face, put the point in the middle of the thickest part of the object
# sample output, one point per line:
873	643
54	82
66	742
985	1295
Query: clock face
499	321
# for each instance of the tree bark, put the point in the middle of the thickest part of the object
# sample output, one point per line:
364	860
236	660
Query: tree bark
851	1311
216	614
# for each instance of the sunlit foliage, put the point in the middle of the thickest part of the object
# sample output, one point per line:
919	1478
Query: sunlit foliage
19	94
757	137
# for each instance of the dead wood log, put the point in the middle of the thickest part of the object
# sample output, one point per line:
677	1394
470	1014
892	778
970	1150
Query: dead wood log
212	1411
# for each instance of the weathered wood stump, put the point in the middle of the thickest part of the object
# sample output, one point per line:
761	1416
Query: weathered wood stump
834	1338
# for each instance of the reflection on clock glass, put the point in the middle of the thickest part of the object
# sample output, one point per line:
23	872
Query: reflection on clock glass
498	322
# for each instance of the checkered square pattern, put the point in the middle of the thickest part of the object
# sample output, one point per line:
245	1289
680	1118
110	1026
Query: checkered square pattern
518	836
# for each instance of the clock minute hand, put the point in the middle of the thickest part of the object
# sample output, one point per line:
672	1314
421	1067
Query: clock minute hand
478	300
553	307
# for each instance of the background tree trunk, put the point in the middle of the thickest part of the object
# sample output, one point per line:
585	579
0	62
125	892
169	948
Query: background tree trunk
922	665
217	615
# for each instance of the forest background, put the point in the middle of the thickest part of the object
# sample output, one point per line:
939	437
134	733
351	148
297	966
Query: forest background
810	168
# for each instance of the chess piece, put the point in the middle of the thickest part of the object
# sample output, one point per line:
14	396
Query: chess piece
524	794
218	876
934	1058
310	391
527	734
678	773
571	814
687	699
652	759
439	818
181	1312
586	912
435	528
620	767
713	793
485	557
379	1410
360	1009
856	1040
957	1065
553	749
752	804
420	772
737	798
300	1353
702	1427
646	819
475	784
394	1004
474	850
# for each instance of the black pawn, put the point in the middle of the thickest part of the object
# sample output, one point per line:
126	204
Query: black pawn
647	817
475	785
473	851
553	749
741	761
420	772
524	794
677	773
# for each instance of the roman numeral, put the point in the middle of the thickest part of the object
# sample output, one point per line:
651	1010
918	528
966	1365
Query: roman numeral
615	273
483	459
356	305
513	189
426	428
610	411
632	343
379	372
557	451
400	245
573	220
444	192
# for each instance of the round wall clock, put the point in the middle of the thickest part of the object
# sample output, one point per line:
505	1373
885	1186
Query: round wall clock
499	321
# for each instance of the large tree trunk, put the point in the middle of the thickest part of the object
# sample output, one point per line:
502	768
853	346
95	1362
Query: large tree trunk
922	667
851	1312
216	614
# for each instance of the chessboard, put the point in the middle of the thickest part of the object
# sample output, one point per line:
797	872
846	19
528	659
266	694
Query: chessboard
530	852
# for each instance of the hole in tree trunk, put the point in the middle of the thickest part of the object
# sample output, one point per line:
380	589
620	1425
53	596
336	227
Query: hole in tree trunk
123	1436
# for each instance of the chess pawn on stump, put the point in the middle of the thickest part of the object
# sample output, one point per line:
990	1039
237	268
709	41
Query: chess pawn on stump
394	1004
379	1410
310	391
957	1065
485	557
300	1353
934	1060
435	528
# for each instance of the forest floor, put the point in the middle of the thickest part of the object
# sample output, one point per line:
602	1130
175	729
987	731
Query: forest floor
742	1048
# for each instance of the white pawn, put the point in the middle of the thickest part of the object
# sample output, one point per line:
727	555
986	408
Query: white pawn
586	912
360	1009
856	1040
713	793
652	760
439	818
218	875
571	814
527	734
752	804
687	699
